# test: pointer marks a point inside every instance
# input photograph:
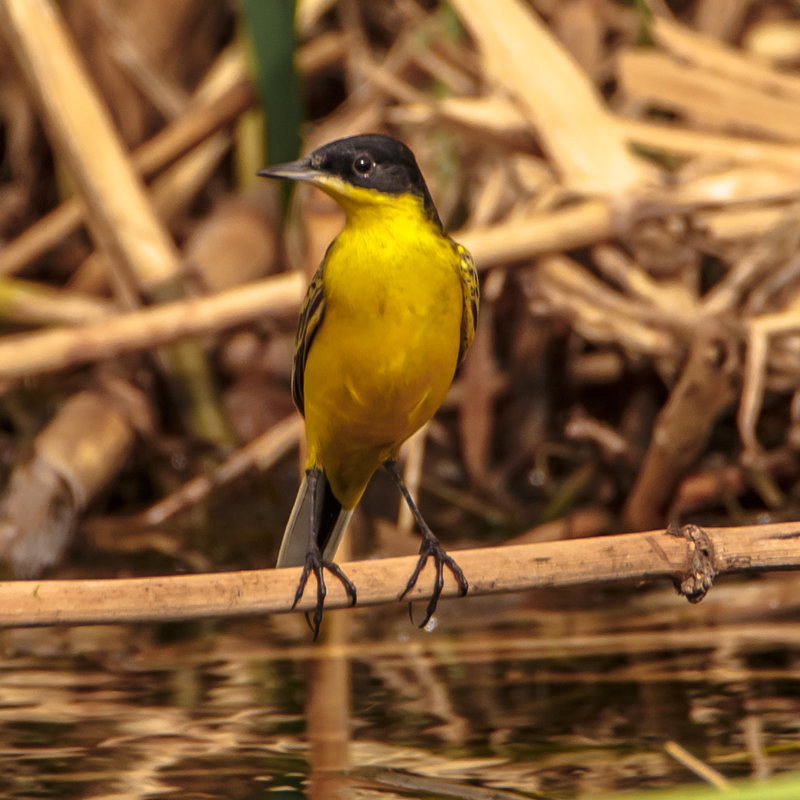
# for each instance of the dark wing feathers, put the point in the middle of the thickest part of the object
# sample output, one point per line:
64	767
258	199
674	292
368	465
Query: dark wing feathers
471	300
310	318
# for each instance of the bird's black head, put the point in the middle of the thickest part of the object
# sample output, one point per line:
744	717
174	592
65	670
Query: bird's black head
368	161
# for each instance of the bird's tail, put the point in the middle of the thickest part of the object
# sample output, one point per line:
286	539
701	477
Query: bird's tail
332	521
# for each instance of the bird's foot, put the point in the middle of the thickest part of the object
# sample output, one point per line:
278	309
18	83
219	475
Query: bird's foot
316	564
431	547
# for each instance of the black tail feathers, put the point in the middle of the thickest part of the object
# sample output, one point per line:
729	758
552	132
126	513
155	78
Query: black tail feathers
332	520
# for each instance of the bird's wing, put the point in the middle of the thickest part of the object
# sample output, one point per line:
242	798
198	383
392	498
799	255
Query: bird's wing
310	318
471	300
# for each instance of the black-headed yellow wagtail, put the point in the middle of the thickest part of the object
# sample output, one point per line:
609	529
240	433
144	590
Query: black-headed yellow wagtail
386	320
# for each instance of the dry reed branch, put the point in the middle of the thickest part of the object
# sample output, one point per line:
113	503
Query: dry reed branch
582	223
735	185
58	348
655	78
712	55
672	138
700	768
760	331
36	303
693	556
162	91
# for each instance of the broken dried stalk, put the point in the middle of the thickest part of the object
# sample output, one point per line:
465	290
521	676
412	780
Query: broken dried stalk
704	390
764	255
74	456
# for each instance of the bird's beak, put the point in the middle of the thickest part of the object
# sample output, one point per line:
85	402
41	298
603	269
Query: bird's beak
295	171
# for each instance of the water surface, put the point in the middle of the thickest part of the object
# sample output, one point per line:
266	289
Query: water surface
515	696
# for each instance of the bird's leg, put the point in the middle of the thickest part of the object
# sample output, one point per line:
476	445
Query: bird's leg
431	547
315	563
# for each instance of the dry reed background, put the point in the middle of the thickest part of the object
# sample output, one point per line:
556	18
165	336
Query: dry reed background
629	185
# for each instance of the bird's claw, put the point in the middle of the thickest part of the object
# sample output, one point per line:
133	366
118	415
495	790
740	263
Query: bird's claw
432	548
316	564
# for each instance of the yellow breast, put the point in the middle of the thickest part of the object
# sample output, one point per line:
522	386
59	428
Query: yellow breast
386	350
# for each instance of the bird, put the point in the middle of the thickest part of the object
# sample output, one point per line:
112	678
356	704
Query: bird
387	318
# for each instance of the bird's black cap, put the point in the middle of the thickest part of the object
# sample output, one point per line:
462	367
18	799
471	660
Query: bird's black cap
369	160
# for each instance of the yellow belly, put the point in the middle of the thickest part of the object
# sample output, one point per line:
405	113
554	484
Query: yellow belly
383	358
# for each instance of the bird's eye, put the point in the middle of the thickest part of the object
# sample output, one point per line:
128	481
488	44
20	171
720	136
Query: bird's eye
363	165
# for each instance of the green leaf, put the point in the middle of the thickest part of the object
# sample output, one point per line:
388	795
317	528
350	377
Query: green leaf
269	26
783	787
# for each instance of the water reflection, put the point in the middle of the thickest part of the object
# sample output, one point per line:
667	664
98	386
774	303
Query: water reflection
507	698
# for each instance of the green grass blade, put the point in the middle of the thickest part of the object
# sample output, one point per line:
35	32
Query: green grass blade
269	25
